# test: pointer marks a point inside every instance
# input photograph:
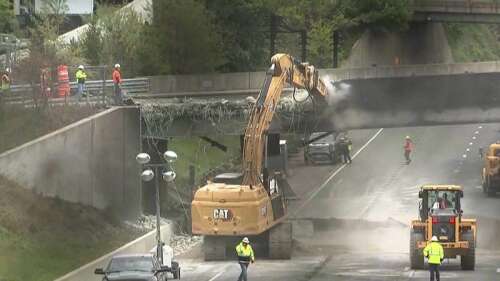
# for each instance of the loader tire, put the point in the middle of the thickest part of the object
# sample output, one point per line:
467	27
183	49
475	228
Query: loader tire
468	261
416	255
214	248
280	241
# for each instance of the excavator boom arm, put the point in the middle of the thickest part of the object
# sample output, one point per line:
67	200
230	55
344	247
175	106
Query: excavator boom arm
284	69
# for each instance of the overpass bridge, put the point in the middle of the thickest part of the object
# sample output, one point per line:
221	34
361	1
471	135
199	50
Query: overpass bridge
383	96
471	11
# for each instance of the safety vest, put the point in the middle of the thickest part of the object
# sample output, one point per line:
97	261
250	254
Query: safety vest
81	76
434	252
245	254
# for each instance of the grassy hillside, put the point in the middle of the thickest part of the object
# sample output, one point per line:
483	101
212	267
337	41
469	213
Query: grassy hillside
44	238
19	125
473	42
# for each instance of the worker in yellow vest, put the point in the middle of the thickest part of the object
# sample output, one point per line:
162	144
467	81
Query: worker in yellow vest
245	257
435	254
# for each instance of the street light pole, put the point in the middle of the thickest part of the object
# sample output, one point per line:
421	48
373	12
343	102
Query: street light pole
168	176
159	246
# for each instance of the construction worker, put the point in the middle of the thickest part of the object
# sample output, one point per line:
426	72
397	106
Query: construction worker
117	83
435	254
345	151
5	87
81	76
245	257
408	147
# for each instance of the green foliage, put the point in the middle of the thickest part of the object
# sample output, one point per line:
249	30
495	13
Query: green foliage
240	24
380	14
6	17
185	37
115	37
473	42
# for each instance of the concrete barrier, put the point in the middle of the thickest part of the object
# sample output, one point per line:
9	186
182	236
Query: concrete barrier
141	245
91	162
243	81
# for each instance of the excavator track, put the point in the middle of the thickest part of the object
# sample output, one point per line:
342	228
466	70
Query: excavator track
280	241
214	248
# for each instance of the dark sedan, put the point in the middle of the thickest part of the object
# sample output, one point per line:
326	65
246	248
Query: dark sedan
135	267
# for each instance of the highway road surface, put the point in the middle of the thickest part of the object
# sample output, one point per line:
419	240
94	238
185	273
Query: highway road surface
361	211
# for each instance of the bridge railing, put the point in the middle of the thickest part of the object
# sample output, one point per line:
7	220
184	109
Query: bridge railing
411	70
98	89
457	6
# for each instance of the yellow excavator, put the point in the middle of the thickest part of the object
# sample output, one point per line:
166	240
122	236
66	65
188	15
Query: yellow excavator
254	203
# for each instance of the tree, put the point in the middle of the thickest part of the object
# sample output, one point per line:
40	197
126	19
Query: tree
185	37
244	46
380	14
6	17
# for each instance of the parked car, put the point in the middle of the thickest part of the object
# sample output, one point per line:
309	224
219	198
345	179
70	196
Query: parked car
321	149
137	267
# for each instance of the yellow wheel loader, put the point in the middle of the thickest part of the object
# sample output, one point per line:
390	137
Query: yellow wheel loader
441	216
491	170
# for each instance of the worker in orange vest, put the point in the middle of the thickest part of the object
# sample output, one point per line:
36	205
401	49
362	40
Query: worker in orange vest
117	84
408	147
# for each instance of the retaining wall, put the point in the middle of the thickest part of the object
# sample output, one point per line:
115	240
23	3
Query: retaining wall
91	162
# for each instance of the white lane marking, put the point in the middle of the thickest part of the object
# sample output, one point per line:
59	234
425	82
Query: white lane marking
216	276
323	185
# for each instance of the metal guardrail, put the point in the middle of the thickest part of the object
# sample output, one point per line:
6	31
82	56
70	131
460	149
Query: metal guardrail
96	88
457	6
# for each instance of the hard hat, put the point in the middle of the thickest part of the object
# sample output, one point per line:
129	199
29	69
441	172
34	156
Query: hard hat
407	137
434	239
117	65
245	240
7	70
81	67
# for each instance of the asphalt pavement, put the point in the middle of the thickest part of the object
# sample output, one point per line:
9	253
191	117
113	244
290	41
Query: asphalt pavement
361	211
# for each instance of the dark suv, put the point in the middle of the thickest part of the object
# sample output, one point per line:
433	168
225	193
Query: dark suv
136	267
321	149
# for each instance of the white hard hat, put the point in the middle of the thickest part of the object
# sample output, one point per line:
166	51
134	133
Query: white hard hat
434	239
407	137
81	67
117	65
7	70
245	240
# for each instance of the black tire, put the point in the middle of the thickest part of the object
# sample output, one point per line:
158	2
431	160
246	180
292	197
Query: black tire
176	270
468	261
416	255
214	248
